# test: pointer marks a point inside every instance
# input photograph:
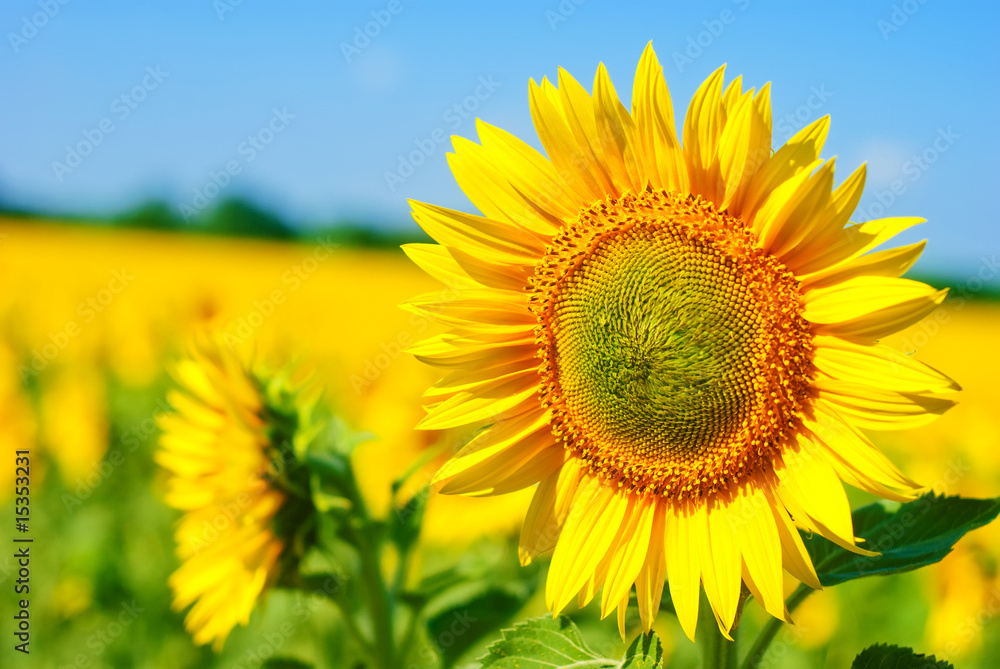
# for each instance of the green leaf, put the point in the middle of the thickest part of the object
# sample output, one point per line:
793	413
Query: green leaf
467	613
286	663
405	521
543	643
332	469
644	653
882	656
917	534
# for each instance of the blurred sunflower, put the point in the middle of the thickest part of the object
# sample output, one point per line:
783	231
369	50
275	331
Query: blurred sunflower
678	345
220	447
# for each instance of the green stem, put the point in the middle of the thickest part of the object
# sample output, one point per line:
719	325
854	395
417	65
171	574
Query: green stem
369	549
717	652
756	655
410	634
352	626
317	585
368	540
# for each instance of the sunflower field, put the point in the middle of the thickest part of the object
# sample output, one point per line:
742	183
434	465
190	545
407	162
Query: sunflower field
93	317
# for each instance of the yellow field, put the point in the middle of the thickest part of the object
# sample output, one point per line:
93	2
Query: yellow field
83	305
85	311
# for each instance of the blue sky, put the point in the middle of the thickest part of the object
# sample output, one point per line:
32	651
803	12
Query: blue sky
178	93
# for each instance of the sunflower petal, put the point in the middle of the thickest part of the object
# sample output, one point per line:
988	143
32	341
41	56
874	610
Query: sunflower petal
653	112
891	262
591	527
877	409
879	366
702	131
854	240
541	526
800	153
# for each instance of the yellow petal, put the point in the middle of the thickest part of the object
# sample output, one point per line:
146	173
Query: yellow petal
660	151
853	241
502	242
861	296
761	549
541	527
616	131
484	178
799	153
825	226
578	108
565	153
790	223
449	350
629	556
879	366
649	584
856	459
794	556
509	398
494	440
481	309
531	174
722	577
877	409
735	157
686	544
590	528
436	261
891	262
702	131
812	492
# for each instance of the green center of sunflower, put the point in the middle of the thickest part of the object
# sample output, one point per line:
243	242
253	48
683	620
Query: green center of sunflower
655	336
675	357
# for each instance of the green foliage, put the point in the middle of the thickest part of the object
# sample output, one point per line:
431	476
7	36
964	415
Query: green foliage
286	663
370	236
882	656
155	214
239	217
473	599
917	534
644	653
542	643
546	642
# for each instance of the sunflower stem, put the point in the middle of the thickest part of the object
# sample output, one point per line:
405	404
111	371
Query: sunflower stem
717	652
378	601
368	539
759	650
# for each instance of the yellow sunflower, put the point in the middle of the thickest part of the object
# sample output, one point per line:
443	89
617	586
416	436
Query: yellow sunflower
679	345
216	447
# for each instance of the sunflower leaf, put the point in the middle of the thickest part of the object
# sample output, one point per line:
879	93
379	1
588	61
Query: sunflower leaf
644	653
882	656
543	643
917	534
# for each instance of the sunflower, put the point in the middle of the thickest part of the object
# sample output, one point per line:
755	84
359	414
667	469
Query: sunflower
678	345
217	449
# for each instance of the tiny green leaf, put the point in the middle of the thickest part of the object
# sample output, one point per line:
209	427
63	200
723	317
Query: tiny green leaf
882	656
405	521
644	653
917	534
543	643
